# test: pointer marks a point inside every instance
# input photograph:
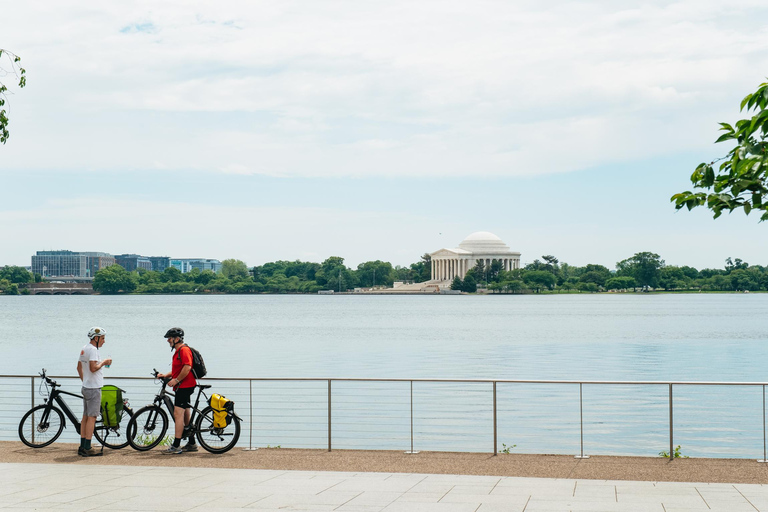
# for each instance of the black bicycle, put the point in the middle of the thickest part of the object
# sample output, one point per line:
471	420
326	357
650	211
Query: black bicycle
148	426
43	424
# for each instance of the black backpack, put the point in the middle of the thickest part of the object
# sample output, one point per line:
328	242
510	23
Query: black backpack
198	365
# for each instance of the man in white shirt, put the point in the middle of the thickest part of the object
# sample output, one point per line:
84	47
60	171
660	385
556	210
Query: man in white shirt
89	370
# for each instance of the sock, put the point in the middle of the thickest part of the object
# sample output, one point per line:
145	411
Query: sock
82	442
87	444
176	443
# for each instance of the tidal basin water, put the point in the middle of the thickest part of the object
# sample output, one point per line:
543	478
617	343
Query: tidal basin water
624	337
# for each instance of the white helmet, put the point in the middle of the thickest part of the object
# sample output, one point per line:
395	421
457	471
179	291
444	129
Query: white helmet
96	331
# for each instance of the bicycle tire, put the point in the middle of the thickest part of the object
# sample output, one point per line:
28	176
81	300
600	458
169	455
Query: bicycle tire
115	431
213	439
147	428
33	431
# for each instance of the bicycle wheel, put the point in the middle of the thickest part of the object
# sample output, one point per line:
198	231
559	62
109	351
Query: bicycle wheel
118	436
216	440
38	428
147	428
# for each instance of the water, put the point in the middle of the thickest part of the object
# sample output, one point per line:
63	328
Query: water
686	337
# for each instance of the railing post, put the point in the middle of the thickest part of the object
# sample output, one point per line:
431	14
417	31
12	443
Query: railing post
250	420
764	459
411	452
671	441
32	403
581	424
495	438
329	414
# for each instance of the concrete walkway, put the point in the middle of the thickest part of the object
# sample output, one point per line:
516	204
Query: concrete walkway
75	487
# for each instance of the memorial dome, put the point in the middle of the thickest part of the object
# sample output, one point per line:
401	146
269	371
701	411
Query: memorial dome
483	242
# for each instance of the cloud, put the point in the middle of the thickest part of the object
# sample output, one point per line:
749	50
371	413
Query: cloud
346	88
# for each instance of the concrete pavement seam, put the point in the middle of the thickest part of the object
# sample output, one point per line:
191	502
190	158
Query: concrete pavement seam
446	493
753	505
350	499
702	497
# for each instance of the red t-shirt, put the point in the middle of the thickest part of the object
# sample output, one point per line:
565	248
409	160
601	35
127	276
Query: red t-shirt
179	363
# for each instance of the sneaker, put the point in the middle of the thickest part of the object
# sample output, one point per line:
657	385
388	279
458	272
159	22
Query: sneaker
172	450
189	447
89	453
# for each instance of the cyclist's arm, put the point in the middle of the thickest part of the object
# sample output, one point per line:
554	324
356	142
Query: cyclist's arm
183	373
80	369
95	365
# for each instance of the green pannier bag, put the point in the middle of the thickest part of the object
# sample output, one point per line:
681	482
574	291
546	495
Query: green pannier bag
111	406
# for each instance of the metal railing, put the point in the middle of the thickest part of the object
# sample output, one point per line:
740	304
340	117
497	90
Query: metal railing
316	407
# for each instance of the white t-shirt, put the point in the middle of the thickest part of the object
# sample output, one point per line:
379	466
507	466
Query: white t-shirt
90	379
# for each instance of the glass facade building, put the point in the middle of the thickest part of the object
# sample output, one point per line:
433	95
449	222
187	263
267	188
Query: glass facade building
70	263
187	264
160	263
131	262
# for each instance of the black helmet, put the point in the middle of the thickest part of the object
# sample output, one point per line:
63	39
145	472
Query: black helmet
174	332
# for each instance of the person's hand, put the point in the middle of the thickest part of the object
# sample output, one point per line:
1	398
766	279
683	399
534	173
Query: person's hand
107	362
160	375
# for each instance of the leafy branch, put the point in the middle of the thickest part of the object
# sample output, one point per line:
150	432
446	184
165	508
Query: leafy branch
741	180
18	73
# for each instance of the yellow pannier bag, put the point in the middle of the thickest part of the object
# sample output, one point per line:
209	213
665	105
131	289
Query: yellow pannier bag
221	406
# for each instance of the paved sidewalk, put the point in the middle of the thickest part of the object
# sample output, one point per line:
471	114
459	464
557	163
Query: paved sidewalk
116	488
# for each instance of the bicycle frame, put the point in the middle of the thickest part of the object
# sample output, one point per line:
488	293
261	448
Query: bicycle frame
164	397
55	396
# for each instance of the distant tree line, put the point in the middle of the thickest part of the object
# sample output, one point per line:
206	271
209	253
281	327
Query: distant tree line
13	279
643	271
274	277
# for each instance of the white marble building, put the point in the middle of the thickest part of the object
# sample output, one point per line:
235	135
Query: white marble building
482	245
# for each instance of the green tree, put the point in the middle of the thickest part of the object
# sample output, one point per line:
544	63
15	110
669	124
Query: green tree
19	73
457	283
538	279
18	275
741	180
620	283
234	269
113	279
334	275
645	267
470	285
513	286
671	278
172	274
375	273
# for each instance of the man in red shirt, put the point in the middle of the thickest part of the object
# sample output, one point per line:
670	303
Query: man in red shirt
183	383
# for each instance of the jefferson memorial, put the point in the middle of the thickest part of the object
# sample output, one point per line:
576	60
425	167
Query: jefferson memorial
480	246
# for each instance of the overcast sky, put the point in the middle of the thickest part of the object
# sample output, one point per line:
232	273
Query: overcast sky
374	130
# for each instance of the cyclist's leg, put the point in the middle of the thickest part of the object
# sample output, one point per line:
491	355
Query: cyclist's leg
182	411
187	417
91	409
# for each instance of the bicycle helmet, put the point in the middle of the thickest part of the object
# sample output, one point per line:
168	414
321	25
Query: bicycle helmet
174	332
96	331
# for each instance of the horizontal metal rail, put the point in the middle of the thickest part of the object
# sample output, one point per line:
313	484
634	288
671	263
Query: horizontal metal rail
486	381
332	394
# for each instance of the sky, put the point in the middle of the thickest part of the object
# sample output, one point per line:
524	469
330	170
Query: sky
374	130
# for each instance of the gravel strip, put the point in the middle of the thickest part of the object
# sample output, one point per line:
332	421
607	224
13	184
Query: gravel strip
654	469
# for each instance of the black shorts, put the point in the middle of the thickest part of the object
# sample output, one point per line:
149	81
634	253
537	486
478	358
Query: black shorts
183	396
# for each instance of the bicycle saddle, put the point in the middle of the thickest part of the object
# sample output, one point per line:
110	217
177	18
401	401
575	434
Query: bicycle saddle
203	386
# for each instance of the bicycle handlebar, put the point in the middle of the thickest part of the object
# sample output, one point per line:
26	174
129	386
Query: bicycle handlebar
155	374
47	379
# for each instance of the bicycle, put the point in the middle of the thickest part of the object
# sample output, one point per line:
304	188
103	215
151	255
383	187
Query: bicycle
37	434
148	426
